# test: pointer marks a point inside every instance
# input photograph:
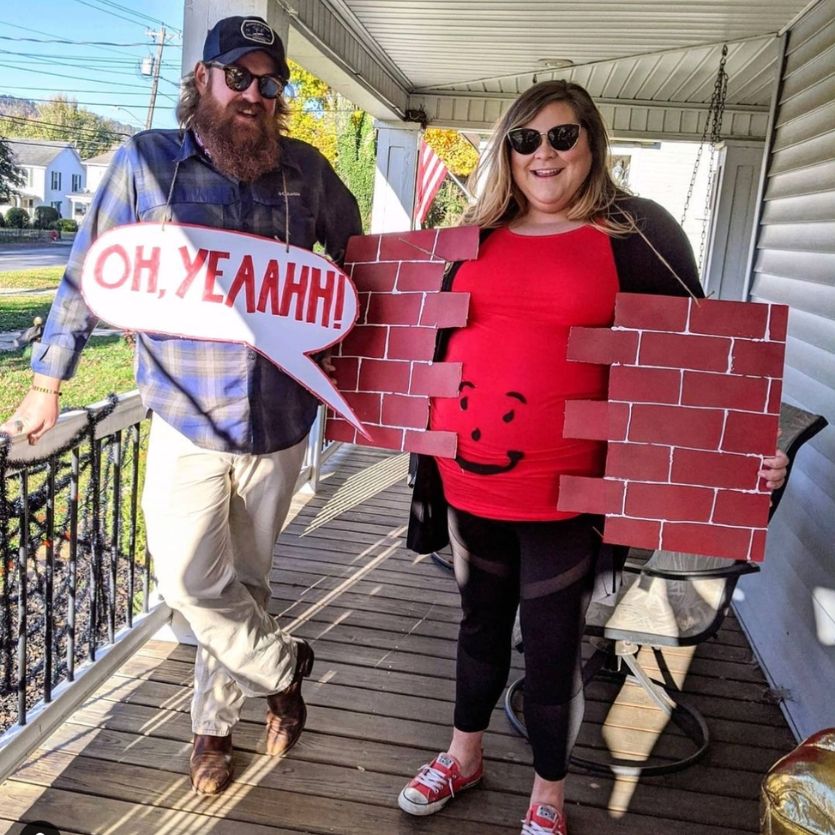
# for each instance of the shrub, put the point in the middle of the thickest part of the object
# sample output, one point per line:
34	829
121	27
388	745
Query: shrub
44	216
2	220
68	224
17	218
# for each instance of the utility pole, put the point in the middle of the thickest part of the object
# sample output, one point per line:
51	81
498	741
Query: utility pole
160	40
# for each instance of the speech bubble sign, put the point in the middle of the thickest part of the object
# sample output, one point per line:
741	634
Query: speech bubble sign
203	283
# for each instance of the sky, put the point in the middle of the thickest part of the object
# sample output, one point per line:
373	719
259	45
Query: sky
100	67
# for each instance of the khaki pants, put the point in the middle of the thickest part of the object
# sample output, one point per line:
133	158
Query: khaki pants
212	520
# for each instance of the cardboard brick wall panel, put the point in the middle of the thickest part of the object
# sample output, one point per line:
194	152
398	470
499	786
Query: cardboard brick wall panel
645	385
601	346
652	313
383	366
749	394
676	350
690	465
440	379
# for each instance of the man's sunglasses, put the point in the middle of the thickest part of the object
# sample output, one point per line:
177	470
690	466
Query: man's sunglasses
239	79
527	140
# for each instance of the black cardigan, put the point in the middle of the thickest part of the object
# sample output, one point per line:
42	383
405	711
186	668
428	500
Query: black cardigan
639	270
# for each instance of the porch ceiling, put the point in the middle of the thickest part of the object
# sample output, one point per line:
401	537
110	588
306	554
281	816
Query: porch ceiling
444	55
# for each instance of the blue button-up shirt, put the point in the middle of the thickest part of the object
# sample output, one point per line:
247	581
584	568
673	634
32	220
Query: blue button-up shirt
221	395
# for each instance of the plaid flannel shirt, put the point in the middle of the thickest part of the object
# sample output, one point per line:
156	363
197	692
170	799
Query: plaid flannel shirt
221	395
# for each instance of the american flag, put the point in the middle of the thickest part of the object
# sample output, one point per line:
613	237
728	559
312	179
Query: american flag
430	174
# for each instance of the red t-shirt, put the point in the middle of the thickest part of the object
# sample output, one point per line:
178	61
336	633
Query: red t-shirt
526	292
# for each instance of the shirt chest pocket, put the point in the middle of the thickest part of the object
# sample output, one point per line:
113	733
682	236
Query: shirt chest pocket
272	207
208	205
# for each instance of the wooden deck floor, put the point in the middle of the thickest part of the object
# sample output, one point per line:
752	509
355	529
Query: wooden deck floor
383	624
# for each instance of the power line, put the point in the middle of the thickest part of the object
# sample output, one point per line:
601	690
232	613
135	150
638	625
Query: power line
138	19
78	77
82	43
92	132
50	35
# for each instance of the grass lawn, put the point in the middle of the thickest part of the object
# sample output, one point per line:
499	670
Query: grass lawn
17	312
40	278
106	366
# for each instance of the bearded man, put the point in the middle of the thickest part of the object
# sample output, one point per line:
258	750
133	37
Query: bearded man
229	429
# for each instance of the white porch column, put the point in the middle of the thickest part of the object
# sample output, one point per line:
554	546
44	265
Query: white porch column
394	178
733	218
200	15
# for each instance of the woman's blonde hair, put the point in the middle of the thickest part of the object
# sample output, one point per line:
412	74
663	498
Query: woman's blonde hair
500	200
190	96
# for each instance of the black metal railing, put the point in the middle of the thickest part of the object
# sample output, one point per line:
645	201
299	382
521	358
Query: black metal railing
72	549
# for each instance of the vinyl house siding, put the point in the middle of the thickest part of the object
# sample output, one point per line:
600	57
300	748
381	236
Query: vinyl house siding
789	609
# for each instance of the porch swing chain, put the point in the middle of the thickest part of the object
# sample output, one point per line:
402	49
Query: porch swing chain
712	132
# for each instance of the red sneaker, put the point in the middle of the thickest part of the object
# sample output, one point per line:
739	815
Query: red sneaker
435	785
543	820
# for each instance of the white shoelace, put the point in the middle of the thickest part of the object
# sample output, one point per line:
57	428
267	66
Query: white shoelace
531	828
433	779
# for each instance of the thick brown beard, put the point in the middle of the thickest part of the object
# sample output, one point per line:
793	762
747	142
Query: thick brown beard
244	152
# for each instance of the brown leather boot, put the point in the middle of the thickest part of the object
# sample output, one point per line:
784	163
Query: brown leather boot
211	763
286	711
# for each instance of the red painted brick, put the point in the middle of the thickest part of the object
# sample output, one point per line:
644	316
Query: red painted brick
411	344
595	420
420	275
347	369
365	341
383	437
602	346
339	430
675	350
437	379
362	248
378	278
579	494
638	462
407	246
459	243
715	469
668	502
778	322
412	412
366	406
384	375
750	433
708	540
775	396
389	309
724	391
758	543
445	310
640	533
676	426
440	444
654	313
644	385
362	307
725	318
741	509
763	359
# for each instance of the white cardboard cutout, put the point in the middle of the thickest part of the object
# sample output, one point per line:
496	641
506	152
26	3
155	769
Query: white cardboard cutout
203	283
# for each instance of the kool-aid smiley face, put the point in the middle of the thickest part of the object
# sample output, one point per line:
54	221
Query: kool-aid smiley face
489	424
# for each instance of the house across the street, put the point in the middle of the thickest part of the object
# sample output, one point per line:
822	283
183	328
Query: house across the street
52	171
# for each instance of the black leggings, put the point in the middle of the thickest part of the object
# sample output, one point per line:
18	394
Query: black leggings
547	570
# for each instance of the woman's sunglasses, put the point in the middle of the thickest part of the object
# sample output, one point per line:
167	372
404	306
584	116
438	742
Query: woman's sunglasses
527	140
239	79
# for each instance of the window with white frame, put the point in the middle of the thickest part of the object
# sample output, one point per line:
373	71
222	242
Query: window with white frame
56	204
55	182
27	177
76	182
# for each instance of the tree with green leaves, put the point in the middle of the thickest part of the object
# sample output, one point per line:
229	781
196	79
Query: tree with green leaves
11	177
61	119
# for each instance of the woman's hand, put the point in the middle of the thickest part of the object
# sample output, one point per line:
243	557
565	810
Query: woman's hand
774	470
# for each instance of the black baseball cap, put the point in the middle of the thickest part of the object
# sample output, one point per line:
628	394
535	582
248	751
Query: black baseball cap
233	37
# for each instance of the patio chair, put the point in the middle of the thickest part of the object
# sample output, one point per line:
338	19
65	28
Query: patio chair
667	599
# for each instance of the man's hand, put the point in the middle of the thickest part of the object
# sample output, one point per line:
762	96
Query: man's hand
774	470
38	412
326	364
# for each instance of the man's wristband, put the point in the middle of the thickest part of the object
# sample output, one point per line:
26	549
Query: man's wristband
45	390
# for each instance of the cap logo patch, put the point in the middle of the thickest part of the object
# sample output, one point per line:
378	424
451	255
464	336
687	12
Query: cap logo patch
257	31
